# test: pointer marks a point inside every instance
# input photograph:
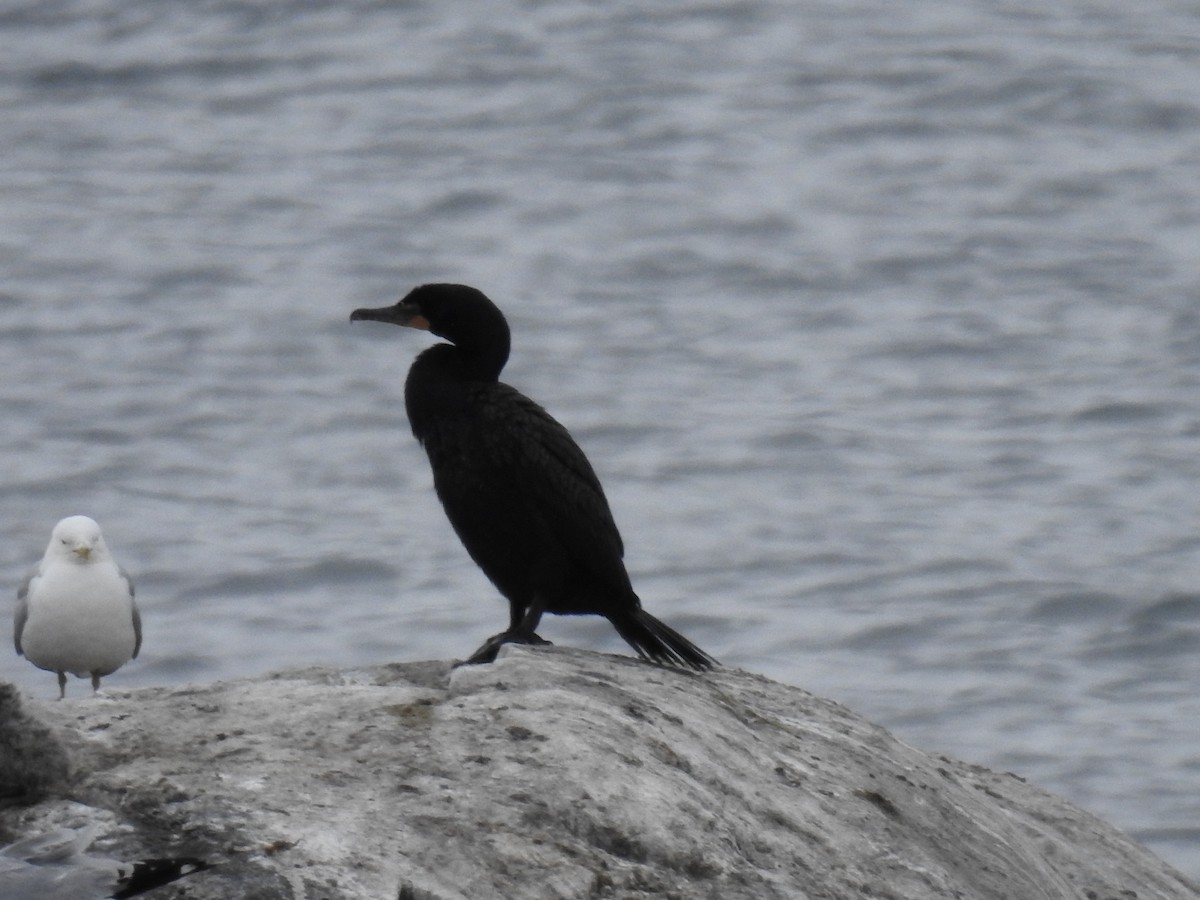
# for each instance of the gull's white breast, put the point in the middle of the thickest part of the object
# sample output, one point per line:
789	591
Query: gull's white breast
80	619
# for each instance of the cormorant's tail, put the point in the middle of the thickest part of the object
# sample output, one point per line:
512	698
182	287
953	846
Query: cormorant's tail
657	642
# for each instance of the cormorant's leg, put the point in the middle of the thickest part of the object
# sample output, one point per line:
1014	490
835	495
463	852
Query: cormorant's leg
516	613
62	685
521	630
529	622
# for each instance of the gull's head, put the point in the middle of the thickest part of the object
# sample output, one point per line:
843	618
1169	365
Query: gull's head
77	539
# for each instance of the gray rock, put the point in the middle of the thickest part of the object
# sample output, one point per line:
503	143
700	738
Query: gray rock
32	760
561	774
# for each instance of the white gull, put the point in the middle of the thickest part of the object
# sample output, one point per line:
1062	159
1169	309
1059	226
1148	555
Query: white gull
75	611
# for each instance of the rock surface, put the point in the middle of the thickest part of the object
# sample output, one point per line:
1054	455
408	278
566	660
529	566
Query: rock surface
555	774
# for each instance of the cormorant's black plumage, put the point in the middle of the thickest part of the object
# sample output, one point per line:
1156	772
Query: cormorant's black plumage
516	487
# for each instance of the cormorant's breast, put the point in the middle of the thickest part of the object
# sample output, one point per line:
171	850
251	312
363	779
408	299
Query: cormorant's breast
441	386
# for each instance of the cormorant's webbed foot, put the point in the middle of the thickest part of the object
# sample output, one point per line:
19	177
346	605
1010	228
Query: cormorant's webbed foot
487	653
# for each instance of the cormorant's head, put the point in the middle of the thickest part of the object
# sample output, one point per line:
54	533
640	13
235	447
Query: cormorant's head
462	315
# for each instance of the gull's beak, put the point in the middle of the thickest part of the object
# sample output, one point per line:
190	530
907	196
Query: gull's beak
84	552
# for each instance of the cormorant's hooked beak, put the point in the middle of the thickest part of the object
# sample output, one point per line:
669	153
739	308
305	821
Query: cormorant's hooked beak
396	315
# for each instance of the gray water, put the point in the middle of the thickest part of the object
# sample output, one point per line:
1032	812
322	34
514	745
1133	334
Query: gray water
880	322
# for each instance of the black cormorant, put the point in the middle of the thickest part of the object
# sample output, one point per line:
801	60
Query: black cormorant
519	492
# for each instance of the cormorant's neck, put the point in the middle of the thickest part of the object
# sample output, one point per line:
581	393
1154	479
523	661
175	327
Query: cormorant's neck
440	383
486	363
473	361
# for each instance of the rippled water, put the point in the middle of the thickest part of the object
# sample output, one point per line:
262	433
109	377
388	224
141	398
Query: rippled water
881	324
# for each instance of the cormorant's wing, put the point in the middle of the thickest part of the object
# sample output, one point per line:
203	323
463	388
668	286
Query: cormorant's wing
556	479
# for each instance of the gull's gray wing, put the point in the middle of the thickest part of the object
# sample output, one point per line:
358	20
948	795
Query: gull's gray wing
137	616
23	609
